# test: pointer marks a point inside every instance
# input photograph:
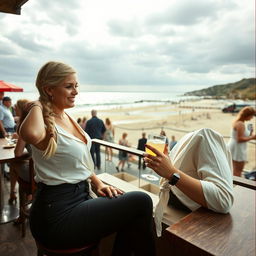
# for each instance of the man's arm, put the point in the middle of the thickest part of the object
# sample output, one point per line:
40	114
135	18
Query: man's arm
2	130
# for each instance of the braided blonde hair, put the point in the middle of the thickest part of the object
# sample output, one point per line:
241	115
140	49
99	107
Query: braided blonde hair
51	74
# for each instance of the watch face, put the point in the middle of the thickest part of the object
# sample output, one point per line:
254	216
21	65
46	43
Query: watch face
174	179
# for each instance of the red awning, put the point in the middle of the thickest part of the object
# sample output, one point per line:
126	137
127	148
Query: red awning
7	87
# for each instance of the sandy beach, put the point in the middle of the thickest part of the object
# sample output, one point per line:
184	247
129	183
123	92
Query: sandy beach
175	119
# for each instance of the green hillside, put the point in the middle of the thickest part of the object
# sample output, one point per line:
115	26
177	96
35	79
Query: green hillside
243	89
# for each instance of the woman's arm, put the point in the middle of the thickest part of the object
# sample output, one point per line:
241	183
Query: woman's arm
32	129
163	166
19	149
2	128
240	128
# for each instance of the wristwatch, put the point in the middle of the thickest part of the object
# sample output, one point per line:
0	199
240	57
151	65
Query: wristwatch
174	179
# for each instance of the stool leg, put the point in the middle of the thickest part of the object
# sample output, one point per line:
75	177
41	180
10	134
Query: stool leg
39	253
22	198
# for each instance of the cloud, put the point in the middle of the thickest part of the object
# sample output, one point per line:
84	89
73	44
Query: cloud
168	42
188	13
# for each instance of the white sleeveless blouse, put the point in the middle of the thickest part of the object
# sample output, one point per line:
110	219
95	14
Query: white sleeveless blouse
71	163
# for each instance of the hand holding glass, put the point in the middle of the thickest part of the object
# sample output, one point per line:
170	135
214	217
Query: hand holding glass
156	141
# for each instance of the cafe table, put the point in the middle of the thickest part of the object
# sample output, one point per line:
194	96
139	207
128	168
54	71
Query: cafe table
8	213
206	233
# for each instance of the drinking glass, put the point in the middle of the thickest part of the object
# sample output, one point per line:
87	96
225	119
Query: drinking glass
8	137
156	141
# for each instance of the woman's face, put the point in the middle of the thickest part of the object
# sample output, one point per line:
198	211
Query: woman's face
63	96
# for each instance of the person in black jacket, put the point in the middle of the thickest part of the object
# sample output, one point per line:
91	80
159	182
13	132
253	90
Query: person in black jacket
141	146
95	128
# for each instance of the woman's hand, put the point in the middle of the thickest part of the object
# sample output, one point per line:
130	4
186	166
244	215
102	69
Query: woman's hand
105	190
160	163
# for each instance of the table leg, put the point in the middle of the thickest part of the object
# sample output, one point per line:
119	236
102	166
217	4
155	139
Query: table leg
1	188
8	213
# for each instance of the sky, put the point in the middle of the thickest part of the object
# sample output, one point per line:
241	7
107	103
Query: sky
122	45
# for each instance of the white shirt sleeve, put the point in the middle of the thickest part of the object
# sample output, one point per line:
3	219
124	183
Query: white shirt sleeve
204	156
215	172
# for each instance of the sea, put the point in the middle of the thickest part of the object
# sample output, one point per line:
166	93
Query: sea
110	100
102	100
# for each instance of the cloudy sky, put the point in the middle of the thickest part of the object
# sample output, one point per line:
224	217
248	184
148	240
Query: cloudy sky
123	44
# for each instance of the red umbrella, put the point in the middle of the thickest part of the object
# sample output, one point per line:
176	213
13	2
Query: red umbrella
7	87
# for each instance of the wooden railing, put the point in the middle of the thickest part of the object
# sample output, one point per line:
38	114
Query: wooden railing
130	150
236	180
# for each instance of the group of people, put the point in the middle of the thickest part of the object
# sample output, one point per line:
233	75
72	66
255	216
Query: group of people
10	119
97	129
66	213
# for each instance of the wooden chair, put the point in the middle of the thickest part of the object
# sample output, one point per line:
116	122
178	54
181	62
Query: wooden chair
86	250
26	188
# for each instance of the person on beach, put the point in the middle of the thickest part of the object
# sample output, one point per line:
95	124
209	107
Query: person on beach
65	213
83	123
109	136
19	168
163	133
197	172
173	142
239	136
96	129
141	146
79	121
122	155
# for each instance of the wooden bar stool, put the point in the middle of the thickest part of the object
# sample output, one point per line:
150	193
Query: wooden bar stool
25	188
87	250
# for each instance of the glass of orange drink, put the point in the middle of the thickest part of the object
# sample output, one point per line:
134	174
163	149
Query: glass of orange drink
156	141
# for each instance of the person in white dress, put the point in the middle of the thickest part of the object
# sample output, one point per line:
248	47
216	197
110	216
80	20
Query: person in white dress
239	136
109	136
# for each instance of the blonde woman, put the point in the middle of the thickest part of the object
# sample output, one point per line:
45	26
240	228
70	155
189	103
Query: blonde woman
64	215
240	135
109	136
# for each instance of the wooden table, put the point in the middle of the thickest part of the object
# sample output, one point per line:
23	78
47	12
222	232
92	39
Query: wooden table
7	212
204	232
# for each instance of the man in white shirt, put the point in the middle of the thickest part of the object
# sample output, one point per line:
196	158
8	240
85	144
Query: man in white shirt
1	124
6	117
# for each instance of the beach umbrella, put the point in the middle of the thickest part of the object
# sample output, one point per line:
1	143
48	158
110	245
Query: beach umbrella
7	87
11	6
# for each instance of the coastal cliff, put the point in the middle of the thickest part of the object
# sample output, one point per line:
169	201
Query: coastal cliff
243	89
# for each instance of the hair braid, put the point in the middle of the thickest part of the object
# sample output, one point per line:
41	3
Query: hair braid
50	124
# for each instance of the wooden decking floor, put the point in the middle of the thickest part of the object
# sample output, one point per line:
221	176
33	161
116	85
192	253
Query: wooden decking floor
11	242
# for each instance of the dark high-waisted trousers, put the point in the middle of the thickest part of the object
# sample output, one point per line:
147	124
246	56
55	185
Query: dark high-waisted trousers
65	216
